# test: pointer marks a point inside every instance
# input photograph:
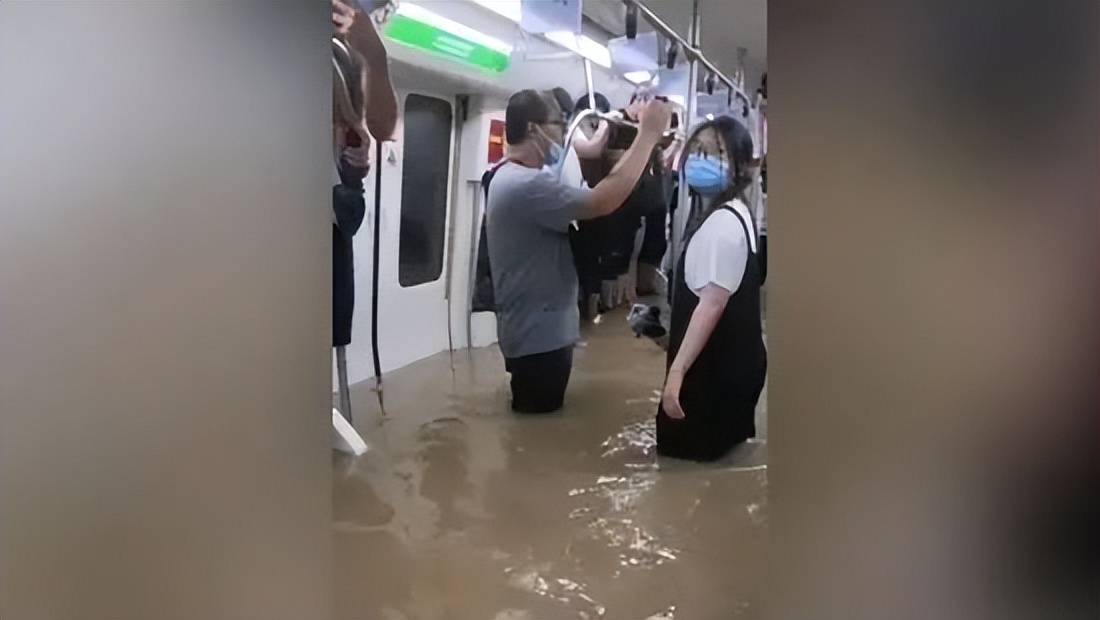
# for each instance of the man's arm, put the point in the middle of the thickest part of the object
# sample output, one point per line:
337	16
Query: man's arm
610	193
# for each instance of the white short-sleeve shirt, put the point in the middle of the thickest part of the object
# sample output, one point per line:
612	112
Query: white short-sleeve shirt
719	250
571	170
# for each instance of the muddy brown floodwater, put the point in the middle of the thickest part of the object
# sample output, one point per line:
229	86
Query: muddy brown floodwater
462	510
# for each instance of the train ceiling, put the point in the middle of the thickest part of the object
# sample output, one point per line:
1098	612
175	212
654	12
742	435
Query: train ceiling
726	26
538	63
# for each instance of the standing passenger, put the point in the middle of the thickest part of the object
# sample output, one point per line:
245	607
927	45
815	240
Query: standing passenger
589	150
716	359
649	200
529	212
364	105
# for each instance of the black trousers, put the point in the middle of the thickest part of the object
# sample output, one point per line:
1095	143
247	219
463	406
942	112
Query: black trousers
539	381
585	242
654	243
618	241
343	287
763	258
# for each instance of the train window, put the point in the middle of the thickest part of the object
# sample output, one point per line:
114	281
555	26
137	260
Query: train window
425	172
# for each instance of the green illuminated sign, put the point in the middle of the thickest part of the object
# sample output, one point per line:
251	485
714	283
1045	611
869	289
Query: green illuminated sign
428	38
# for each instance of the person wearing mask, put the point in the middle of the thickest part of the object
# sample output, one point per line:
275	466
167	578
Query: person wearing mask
717	361
567	171
529	212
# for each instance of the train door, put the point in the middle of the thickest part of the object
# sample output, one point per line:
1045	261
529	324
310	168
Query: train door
416	197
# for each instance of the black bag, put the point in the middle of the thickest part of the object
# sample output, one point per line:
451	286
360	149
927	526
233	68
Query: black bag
484	298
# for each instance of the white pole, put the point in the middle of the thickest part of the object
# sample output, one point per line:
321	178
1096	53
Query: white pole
683	207
588	83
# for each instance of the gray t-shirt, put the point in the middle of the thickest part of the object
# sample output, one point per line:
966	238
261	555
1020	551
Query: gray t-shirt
534	278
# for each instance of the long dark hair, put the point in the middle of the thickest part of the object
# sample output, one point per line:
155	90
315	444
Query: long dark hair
735	143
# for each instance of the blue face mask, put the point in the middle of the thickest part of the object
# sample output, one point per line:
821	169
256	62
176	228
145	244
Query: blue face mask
707	176
555	153
556	156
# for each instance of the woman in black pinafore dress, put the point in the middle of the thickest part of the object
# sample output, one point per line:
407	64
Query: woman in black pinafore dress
716	359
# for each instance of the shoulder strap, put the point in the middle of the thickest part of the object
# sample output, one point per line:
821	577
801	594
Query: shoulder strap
487	177
750	231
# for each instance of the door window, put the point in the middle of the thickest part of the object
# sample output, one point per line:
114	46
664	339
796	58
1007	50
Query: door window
425	174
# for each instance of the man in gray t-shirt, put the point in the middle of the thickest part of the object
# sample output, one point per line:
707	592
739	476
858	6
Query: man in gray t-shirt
533	275
528	215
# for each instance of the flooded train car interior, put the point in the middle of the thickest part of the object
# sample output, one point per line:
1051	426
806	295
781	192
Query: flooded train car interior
460	508
466	310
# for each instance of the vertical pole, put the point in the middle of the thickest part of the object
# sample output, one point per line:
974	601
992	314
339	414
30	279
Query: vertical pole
588	83
741	53
345	390
475	229
683	207
461	109
693	78
375	275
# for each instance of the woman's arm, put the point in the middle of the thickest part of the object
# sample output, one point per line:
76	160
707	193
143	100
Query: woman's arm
381	101
712	303
362	37
591	148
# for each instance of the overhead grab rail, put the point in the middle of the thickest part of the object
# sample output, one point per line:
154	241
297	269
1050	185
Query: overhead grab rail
690	52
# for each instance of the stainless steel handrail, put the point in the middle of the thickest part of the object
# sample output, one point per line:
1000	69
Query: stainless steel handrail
690	51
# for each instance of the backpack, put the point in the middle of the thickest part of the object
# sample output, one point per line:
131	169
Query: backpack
484	298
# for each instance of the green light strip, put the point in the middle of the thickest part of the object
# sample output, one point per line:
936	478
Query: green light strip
424	37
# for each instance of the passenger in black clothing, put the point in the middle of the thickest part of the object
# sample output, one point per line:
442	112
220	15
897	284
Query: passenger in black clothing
649	202
587	238
539	381
655	240
621	229
716	359
654	246
348	209
363	104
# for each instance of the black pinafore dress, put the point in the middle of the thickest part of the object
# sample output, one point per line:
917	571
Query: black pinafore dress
720	390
